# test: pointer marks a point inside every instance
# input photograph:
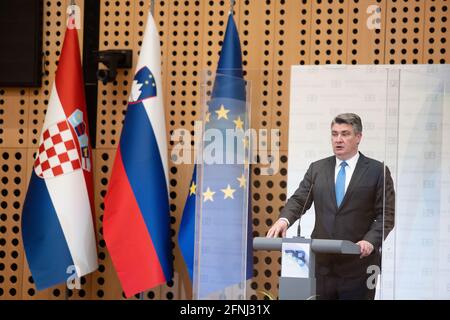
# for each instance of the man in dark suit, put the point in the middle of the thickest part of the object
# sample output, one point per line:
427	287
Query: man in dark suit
347	190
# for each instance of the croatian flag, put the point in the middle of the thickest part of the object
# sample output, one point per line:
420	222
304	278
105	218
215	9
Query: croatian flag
57	218
136	222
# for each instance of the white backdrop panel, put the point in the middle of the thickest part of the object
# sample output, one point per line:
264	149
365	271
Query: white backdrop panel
416	258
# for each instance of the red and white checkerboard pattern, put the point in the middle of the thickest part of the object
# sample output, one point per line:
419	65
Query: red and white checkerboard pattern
57	152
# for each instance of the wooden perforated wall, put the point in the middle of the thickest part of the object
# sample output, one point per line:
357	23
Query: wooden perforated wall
275	34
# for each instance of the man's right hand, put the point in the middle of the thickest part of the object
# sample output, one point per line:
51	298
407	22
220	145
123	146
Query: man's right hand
278	228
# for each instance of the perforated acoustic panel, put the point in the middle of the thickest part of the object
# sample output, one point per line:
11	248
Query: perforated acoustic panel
275	34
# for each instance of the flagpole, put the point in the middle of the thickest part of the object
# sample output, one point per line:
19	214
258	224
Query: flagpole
232	2
152	7
71	5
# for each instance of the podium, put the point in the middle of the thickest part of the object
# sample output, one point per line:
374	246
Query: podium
298	281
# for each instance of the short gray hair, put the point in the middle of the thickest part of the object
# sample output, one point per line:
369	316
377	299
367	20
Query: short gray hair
349	118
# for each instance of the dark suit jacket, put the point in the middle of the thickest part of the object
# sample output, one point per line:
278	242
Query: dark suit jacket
359	217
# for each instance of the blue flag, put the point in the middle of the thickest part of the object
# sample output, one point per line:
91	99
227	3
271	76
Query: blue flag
186	234
224	184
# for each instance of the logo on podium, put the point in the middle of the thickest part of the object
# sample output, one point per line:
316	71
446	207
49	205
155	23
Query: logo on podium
295	260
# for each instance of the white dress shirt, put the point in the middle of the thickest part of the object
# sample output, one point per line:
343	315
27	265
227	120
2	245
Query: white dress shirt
349	169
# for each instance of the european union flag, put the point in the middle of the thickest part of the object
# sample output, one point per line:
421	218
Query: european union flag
222	237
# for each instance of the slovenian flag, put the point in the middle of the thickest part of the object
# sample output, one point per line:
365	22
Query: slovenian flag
57	219
136	222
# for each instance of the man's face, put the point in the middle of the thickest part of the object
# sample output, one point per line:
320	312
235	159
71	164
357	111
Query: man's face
344	140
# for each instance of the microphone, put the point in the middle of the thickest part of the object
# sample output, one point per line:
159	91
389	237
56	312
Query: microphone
303	210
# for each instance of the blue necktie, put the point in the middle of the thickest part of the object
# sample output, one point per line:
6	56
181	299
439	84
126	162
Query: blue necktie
340	184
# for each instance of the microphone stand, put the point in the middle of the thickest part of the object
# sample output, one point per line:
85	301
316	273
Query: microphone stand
303	212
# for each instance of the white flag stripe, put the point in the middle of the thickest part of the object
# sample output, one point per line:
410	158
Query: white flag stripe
150	56
71	202
55	111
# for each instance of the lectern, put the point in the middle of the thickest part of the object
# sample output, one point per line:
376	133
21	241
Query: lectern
298	281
